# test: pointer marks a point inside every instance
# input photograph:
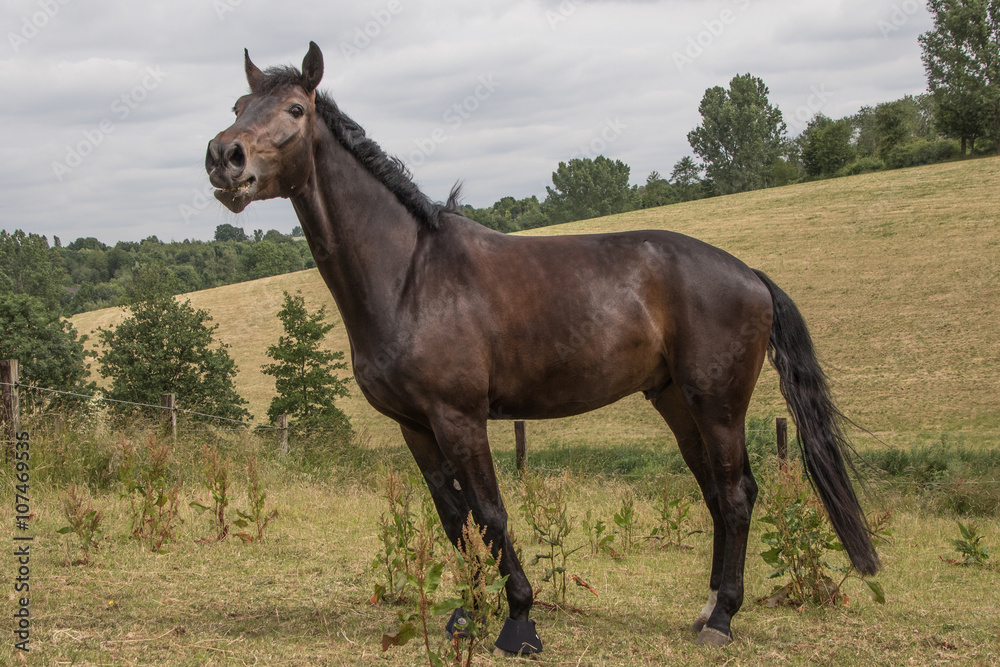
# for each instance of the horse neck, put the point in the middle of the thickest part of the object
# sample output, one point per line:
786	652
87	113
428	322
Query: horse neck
361	237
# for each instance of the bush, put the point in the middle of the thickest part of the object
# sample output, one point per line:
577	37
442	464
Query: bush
921	151
862	166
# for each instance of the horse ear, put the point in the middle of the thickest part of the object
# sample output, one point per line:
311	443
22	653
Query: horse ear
312	68
254	75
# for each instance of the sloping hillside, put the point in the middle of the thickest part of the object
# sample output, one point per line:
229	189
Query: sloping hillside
897	273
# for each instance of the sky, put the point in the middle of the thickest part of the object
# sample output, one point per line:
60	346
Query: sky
107	106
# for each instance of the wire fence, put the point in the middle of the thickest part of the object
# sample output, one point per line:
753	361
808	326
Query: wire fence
251	425
238	424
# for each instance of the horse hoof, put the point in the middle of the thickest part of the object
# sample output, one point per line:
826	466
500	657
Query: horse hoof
712	637
500	653
518	638
457	625
698	624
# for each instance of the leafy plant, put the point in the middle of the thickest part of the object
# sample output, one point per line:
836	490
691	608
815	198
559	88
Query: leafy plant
256	515
215	478
153	501
673	511
545	508
397	532
423	579
969	546
479	584
801	540
628	522
598	536
84	522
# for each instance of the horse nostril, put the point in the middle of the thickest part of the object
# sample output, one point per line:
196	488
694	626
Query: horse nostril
214	155
235	156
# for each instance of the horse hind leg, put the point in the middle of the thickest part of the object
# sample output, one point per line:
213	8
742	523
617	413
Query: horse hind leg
715	451
671	407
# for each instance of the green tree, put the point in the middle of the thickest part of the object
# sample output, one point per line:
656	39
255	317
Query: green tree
961	56
305	375
826	146
585	188
50	354
895	123
686	179
741	135
509	214
264	259
29	266
227	232
656	192
164	346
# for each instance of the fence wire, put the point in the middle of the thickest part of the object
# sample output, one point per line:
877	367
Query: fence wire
244	425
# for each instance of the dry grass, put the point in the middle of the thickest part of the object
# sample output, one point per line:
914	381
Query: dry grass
302	597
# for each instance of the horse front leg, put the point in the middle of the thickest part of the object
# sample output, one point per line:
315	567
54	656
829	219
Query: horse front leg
463	442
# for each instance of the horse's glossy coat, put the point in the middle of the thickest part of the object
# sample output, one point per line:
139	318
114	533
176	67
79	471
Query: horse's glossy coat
451	324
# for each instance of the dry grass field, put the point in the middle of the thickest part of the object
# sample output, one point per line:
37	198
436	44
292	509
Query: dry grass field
898	275
302	598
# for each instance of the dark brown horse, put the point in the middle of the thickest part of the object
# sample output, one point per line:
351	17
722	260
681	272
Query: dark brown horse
452	324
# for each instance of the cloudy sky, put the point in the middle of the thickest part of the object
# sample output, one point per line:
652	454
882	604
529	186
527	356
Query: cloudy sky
107	105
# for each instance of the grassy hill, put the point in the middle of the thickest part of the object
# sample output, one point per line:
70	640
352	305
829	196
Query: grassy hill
897	273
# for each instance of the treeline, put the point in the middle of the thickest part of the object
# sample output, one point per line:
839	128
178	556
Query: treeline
743	142
903	133
592	187
87	274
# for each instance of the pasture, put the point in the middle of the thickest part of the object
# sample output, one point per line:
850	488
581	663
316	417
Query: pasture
897	274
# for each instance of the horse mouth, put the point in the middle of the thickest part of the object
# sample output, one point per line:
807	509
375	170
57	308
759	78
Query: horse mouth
239	196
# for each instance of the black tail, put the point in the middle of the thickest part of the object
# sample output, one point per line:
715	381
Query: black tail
824	445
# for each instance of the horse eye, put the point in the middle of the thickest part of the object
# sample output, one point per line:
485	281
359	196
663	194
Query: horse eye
297	111
235	110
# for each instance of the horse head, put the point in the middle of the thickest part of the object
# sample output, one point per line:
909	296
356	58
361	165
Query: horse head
267	152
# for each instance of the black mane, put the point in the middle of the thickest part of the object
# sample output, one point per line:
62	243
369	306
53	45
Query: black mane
389	170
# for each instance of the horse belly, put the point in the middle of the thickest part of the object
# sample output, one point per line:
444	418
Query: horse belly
576	373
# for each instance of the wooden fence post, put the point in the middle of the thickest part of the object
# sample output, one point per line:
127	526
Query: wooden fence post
11	412
169	413
781	430
283	433
520	445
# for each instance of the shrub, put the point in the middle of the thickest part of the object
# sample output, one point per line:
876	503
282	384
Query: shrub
546	510
215	478
84	522
919	151
970	547
862	166
256	514
153	501
801	540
